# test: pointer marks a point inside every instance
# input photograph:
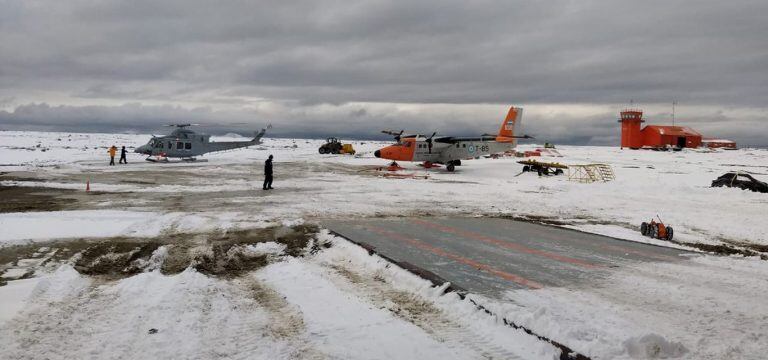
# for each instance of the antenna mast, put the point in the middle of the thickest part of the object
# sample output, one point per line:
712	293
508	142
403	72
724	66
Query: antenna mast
673	112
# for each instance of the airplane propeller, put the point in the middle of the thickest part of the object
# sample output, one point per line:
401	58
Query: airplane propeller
395	134
429	139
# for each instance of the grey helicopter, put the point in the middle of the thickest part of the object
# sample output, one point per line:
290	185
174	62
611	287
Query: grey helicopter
186	144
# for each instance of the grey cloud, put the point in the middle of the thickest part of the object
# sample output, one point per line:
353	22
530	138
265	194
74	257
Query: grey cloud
305	53
361	121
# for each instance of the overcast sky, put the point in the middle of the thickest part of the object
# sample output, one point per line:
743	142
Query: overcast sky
352	68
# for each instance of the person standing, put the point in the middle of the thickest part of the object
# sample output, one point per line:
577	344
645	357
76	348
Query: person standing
112	152
123	159
268	174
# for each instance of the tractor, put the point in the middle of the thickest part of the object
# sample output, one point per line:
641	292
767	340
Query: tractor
333	146
543	168
657	230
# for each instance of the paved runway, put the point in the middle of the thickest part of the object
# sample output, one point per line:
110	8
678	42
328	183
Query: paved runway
489	256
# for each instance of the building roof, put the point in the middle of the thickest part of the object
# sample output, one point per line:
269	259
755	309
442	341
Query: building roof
672	130
718	141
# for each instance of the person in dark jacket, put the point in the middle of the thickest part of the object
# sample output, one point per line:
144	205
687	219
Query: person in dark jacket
123	159
268	174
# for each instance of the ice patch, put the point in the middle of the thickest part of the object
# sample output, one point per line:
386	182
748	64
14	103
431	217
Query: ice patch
63	283
154	262
18	227
653	346
14	273
265	248
292	222
13	297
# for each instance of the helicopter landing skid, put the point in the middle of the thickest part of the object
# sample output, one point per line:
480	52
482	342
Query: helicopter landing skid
156	159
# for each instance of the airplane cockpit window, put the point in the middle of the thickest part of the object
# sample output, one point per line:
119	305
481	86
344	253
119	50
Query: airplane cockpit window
408	144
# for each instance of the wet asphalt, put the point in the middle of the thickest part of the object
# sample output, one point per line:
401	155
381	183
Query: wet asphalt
490	256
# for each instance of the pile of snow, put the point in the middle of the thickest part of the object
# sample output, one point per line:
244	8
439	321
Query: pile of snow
299	307
19	228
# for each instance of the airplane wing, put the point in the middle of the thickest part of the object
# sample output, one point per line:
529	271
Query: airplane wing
455	139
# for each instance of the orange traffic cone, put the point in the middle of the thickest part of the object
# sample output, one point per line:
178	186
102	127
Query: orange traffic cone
87	185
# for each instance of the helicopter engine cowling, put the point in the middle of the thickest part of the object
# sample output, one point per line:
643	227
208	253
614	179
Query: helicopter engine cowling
144	149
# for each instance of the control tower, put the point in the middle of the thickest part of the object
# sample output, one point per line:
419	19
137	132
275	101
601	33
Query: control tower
630	128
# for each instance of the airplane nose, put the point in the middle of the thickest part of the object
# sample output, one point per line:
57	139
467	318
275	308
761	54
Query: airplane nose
377	153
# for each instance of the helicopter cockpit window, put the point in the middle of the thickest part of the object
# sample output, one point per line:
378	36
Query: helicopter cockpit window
179	145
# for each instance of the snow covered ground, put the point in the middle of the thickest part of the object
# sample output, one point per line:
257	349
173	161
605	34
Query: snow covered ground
674	185
325	304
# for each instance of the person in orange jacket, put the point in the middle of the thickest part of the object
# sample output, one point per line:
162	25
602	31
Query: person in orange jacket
112	151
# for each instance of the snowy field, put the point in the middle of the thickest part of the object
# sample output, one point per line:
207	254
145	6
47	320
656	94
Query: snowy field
265	294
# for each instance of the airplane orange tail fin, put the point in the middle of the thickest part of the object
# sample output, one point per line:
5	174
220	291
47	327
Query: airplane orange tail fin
507	131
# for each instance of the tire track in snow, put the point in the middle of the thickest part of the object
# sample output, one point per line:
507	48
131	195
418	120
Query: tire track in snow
285	322
194	316
419	312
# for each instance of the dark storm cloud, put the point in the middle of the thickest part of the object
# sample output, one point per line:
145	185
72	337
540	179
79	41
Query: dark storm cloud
354	121
305	53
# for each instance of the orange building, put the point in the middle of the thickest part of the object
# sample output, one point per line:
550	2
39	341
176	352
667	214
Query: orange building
719	144
654	136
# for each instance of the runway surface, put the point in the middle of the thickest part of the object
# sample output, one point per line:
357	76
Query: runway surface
489	256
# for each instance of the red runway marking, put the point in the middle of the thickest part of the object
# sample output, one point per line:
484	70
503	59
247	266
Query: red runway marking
460	259
505	244
625	250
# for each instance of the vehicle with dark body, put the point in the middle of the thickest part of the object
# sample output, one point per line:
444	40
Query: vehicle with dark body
740	180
